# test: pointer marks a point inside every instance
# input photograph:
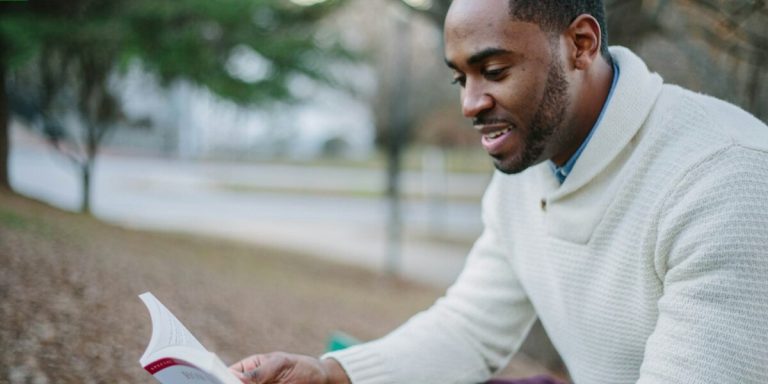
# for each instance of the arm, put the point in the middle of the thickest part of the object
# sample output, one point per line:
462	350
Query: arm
466	336
712	256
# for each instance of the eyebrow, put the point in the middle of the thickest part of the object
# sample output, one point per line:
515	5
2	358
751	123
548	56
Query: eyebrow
481	56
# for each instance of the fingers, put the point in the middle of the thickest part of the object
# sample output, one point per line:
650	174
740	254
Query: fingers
245	368
281	368
248	364
267	368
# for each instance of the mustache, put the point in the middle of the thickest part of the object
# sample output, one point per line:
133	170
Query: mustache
487	120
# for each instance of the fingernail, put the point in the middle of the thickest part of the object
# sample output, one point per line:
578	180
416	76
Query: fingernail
249	374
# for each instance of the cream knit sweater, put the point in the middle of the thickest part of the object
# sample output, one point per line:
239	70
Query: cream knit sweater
649	264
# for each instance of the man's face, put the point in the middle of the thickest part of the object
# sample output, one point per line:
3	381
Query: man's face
513	84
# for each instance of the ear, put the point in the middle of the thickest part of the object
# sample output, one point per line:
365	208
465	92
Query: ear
584	39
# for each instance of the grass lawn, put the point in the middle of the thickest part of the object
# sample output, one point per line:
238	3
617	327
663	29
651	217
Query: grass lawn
70	313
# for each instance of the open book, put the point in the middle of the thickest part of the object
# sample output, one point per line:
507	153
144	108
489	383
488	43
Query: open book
174	356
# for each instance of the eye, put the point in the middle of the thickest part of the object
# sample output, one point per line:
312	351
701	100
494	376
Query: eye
494	73
459	79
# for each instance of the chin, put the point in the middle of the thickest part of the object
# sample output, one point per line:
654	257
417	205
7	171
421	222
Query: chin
512	164
509	166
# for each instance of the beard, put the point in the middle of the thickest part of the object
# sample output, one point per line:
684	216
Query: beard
544	125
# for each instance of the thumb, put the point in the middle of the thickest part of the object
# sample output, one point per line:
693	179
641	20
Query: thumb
239	375
251	376
246	369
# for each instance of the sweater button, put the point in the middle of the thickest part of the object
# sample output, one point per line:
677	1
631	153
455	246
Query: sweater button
544	205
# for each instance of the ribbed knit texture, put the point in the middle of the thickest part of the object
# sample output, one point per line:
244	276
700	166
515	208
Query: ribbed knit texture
648	265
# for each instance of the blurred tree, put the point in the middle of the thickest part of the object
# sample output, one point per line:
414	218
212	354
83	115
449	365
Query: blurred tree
720	46
62	55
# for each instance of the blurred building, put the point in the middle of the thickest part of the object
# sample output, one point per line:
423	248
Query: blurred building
190	122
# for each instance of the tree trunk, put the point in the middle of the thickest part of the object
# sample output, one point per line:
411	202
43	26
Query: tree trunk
396	144
86	171
92	139
754	102
5	183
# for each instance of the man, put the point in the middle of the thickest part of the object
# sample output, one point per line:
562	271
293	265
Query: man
628	215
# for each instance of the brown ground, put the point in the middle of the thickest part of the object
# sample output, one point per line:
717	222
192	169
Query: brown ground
69	311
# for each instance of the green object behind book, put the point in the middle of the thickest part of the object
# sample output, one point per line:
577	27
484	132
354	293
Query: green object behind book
339	340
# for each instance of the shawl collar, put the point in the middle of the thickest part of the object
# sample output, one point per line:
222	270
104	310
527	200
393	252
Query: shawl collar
576	207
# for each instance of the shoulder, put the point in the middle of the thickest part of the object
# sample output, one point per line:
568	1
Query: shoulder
723	123
716	145
689	134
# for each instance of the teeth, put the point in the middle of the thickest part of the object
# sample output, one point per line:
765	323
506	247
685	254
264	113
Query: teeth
497	133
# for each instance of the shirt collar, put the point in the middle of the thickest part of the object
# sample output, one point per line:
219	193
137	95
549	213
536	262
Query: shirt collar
562	172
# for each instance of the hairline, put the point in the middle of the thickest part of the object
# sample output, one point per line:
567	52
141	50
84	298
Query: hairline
553	32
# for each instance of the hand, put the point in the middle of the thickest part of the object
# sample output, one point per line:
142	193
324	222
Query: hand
284	368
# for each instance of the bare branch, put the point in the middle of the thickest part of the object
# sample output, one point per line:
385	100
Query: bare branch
70	155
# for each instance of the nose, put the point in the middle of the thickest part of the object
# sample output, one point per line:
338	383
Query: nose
474	100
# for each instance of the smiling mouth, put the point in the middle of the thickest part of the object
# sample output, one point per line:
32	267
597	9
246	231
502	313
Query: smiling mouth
493	129
496	134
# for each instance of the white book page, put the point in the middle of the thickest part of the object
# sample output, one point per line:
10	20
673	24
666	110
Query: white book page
167	330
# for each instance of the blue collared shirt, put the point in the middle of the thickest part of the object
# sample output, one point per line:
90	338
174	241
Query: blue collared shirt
562	172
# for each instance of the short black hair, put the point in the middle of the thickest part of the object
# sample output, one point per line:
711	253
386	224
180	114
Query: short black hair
556	15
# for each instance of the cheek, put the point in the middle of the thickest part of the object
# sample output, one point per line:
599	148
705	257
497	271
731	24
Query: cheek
522	93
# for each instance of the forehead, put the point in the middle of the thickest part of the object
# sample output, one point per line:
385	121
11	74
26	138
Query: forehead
473	26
